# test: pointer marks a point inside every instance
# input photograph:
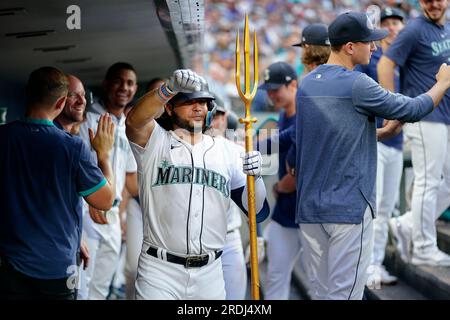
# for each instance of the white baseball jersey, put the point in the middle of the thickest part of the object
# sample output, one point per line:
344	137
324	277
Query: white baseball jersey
122	160
185	191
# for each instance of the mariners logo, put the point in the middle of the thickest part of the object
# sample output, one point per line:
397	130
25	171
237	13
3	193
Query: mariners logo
369	23
170	174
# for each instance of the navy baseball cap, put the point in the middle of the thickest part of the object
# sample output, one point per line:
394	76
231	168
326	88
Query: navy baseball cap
315	34
278	74
354	27
389	12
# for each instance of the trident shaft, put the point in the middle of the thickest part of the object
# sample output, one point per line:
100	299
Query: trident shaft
247	96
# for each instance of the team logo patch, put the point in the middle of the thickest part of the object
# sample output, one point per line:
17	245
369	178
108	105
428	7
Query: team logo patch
266	74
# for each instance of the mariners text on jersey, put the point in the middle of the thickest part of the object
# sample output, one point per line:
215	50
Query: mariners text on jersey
170	174
440	47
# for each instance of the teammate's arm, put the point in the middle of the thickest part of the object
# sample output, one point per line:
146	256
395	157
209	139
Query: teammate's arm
102	143
287	184
140	121
390	129
371	99
386	70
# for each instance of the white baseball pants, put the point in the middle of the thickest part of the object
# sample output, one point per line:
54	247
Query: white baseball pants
104	258
283	250
234	268
339	256
430	151
158	279
135	235
389	174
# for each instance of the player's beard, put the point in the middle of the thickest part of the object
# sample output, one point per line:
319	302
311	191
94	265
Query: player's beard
434	19
184	124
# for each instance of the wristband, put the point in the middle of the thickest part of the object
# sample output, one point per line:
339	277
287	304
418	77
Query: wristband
165	94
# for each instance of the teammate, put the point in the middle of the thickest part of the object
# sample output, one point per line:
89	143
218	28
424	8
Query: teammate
283	241
336	121
315	46
389	159
419	50
233	262
199	176
44	172
71	116
103	236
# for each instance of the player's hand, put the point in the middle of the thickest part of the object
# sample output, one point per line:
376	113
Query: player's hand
184	80
390	129
443	74
260	243
103	140
275	190
98	216
84	252
252	163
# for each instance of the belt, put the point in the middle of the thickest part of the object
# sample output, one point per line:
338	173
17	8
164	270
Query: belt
187	262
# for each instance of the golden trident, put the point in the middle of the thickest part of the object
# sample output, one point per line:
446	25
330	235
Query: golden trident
247	97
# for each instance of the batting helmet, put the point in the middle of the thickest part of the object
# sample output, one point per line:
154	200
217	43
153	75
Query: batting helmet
165	120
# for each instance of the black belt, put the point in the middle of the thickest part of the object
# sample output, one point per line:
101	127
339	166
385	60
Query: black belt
187	262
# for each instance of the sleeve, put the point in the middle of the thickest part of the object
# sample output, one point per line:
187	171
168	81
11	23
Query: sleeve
371	99
89	177
291	156
403	45
278	142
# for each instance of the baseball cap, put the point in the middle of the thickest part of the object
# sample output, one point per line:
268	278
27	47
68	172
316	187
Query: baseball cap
354	27
389	12
278	74
315	34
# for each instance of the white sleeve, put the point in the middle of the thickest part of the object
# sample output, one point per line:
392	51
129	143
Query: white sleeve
155	143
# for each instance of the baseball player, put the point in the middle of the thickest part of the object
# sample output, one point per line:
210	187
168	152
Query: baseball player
283	240
102	235
419	50
389	160
187	181
336	121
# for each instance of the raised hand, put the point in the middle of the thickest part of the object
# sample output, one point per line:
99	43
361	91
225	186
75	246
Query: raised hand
103	140
184	80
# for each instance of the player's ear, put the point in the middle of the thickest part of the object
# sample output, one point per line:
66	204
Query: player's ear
349	48
60	103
